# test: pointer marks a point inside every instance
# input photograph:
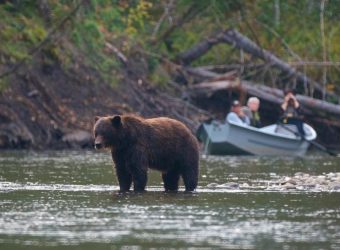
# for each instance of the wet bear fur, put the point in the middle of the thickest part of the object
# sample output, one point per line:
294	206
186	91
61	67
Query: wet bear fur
137	144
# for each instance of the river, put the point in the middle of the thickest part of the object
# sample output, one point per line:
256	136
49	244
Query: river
69	200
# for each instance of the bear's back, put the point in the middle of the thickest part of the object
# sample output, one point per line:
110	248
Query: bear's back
171	143
162	127
170	131
164	140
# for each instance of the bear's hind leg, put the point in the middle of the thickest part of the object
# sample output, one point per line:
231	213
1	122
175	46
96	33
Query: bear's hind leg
190	182
140	179
190	176
170	180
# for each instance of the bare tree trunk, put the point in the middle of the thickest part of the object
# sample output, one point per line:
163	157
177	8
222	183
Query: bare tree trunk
167	9
323	40
197	51
242	42
277	12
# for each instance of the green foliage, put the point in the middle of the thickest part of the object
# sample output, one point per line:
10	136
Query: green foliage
130	24
135	21
112	19
34	34
88	34
22	29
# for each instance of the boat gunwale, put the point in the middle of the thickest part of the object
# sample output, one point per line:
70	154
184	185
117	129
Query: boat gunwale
259	130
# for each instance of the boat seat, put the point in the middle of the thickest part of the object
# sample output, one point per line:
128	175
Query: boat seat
285	129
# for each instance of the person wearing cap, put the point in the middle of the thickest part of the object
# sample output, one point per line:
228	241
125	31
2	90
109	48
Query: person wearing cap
237	115
252	111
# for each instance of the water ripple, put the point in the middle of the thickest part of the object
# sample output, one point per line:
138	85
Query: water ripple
71	199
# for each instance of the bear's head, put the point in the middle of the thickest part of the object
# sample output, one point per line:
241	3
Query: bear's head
107	131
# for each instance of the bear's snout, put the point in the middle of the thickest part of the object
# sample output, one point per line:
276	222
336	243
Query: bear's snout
98	142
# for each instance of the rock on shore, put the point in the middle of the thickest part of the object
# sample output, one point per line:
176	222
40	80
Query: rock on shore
326	182
304	181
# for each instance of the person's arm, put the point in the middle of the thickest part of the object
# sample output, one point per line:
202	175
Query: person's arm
296	103
246	111
285	102
233	117
247	120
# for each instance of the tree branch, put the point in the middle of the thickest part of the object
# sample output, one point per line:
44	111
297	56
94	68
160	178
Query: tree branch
239	41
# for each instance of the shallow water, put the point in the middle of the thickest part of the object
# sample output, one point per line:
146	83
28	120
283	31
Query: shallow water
70	200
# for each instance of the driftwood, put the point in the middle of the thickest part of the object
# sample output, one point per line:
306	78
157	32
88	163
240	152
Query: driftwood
269	94
119	55
236	39
266	93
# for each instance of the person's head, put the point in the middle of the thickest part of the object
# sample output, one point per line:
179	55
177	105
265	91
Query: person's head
291	102
253	104
289	92
236	107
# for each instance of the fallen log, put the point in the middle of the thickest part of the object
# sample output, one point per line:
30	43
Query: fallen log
266	93
207	89
242	42
234	66
236	39
203	74
197	50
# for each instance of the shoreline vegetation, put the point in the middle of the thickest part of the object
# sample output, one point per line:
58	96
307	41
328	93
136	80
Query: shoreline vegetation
64	62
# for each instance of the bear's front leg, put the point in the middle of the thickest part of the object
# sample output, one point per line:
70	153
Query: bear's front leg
124	178
137	165
123	174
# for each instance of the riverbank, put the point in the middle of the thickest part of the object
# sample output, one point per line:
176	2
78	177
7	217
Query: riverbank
61	65
49	107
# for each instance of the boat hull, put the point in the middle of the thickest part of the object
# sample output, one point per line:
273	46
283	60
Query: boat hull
234	139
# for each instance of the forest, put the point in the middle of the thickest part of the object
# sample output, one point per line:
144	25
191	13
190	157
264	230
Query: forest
64	62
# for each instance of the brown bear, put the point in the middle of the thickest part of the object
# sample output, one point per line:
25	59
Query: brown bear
137	144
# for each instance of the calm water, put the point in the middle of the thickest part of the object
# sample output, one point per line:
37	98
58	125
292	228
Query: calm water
69	200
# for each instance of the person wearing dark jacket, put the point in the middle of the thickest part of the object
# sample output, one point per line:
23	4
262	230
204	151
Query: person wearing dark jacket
291	111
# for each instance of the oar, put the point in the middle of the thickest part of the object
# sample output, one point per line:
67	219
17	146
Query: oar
317	145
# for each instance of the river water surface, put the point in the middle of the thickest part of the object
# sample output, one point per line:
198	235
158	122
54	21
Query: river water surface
69	200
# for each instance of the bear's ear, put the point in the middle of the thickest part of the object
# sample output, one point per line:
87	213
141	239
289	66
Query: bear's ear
96	118
116	121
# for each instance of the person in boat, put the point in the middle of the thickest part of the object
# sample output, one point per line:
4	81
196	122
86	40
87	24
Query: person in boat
252	111
237	115
291	111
